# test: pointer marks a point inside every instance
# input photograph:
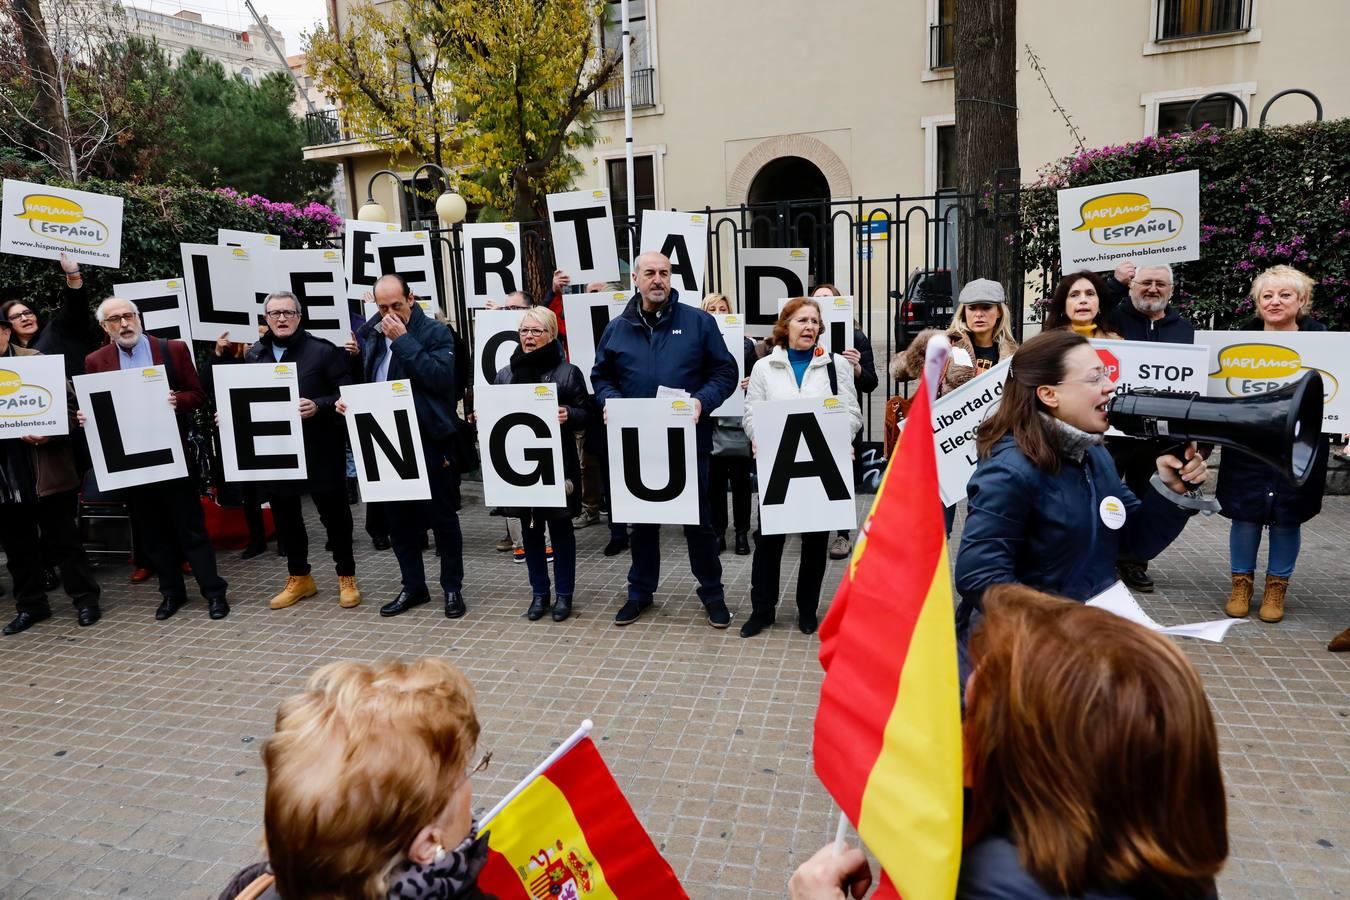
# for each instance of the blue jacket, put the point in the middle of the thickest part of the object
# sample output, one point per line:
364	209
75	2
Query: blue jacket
426	357
990	870
1047	531
684	350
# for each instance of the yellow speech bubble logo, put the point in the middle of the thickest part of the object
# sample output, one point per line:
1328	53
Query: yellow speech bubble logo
542	391
397	385
797	254
149	373
22	401
171	284
696	219
1257	361
48	208
239	253
282	369
731	319
831	402
1113	209
10	382
596	195
679	404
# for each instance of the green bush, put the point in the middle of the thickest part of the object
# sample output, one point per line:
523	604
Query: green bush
1267	196
156	219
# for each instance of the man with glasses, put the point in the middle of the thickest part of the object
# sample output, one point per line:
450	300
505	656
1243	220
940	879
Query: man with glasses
167	514
1148	316
322	370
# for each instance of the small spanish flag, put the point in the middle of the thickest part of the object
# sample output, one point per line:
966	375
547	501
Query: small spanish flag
888	729
570	834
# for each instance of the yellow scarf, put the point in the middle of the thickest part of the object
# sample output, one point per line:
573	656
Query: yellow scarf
1087	331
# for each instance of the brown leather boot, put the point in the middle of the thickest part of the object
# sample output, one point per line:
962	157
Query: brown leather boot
1340	642
1240	601
297	588
1272	602
349	594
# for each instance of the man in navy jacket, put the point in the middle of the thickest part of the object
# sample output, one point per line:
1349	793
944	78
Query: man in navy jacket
659	342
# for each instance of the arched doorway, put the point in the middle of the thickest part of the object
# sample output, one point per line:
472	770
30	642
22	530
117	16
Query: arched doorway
788	204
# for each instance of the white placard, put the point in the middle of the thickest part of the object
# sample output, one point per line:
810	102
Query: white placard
1148	220
408	253
261	249
1163	367
315	276
1117	599
956	422
132	431
521	442
45	221
163	306
259	410
586	316
683	238
386	441
220	292
766	275
33	397
1244	363
249	240
582	226
652	466
491	262
496	335
360	265
805	464
732	327
836	314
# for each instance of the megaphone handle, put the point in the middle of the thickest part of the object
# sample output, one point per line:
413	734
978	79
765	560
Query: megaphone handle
1195	496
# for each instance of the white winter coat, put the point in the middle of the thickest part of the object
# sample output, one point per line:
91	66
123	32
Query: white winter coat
772	379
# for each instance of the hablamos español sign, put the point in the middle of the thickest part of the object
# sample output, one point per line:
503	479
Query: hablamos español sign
1149	220
45	221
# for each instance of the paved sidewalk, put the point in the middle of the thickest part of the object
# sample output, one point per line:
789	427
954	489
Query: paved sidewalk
129	751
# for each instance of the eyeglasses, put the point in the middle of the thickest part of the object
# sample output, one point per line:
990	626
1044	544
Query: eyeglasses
1094	378
26	314
282	314
119	319
535	332
476	768
1160	285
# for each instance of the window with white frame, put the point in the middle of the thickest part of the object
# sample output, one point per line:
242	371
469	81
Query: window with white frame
1186	19
1165	112
641	56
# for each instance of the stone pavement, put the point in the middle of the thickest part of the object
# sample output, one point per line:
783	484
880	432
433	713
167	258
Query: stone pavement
129	761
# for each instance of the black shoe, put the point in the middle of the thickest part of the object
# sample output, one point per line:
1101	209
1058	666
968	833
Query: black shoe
404	602
807	622
757	622
562	607
170	606
742	544
381	542
26	620
538	607
253	550
721	543
217	607
718	614
88	615
454	605
1135	575
630	611
616	546
50	580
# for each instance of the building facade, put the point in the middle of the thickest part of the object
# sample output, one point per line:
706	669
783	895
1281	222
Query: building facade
244	53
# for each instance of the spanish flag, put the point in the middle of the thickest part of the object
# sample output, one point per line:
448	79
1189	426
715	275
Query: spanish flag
569	834
888	729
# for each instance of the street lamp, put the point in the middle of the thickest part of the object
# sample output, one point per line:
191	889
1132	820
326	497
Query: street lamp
450	207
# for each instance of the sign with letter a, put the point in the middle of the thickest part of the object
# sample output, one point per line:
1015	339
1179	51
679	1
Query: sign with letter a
583	235
491	262
386	441
683	239
805	465
132	430
259	407
766	276
653	474
522	445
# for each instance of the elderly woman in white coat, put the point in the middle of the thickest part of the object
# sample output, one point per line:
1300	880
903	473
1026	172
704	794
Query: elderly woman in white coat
796	367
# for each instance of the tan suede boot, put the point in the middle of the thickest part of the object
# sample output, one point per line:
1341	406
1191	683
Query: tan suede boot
349	594
297	588
1340	643
1272	602
1240	601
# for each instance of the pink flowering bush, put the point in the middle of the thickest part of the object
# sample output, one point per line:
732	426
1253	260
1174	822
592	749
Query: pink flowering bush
1267	196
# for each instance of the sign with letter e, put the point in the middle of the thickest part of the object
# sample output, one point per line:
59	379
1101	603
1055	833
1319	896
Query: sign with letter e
386	442
259	407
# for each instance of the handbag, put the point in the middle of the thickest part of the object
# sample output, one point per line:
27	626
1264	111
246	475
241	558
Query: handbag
730	439
897	408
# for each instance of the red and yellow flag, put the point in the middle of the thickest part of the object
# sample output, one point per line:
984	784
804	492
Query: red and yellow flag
571	835
888	729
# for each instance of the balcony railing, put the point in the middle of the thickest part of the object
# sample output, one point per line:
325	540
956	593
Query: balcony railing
323	127
644	92
942	45
1184	19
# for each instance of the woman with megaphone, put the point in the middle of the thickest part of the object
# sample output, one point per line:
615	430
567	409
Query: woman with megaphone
1253	494
1046	507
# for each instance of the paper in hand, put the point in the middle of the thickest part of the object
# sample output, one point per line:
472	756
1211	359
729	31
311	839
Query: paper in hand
1118	599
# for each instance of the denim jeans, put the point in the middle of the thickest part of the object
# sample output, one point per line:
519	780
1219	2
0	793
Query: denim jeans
564	540
1244	539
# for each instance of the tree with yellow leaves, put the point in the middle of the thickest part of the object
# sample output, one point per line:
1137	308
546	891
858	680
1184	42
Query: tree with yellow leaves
498	92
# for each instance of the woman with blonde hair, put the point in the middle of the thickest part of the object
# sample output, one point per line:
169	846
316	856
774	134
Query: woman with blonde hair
368	792
730	467
980	332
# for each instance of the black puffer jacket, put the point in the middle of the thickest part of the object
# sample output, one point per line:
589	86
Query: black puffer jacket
547	366
1251	491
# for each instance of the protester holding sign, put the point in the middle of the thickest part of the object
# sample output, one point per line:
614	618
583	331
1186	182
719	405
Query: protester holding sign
730	468
539	360
659	344
1047	508
796	367
38	485
1076	304
1253	495
167	514
408	344
70	333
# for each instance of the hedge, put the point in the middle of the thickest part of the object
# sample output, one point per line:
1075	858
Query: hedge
1267	196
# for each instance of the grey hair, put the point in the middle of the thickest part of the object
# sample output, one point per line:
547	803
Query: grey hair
283	295
98	313
1166	267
